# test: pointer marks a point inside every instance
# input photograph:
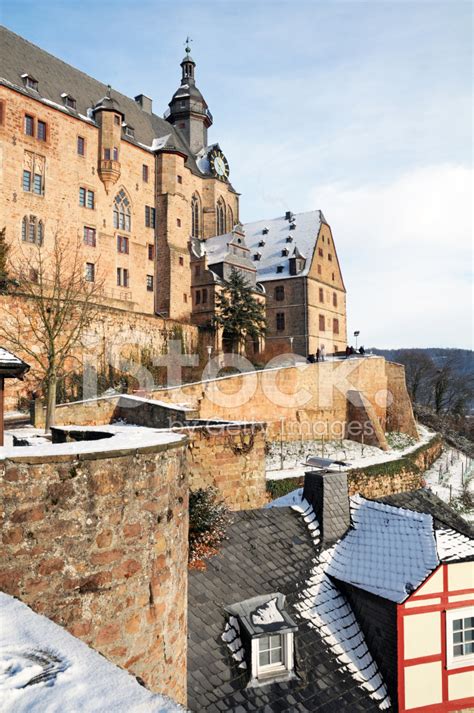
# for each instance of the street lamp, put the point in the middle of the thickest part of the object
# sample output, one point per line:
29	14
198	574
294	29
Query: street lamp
209	351
356	334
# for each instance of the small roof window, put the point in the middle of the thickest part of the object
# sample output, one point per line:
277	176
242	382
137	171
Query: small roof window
129	131
257	256
279	268
285	252
69	100
265	231
30	81
261	243
263	636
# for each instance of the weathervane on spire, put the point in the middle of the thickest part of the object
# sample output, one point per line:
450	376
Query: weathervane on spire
187	47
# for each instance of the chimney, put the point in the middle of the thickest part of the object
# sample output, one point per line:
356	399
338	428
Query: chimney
327	493
145	102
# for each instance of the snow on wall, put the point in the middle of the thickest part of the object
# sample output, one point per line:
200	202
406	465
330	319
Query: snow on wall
44	668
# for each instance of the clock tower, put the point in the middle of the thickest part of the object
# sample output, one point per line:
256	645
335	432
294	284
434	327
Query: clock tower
188	111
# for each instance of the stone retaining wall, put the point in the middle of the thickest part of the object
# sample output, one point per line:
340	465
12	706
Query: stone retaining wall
98	543
230	458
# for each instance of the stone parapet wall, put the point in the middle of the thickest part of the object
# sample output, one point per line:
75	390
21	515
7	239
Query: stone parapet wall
98	543
304	402
231	459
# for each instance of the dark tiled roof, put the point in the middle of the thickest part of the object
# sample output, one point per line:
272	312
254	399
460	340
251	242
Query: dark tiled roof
55	77
429	503
267	551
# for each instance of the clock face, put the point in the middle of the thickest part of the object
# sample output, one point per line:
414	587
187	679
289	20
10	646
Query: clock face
219	164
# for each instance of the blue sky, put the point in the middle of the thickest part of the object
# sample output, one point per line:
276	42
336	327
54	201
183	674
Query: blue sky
362	109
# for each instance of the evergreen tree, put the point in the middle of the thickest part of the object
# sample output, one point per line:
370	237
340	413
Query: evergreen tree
4	248
238	311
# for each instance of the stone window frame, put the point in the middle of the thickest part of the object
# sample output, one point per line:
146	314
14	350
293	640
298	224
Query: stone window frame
122	212
321	295
279	293
334	299
86	198
32	230
89	236
150	216
123	277
220	216
454	662
3	111
280	321
151	251
123	244
149	283
322	323
89	274
81	146
145	173
196	221
335	326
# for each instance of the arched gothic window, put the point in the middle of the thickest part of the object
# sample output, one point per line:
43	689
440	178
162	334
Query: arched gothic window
122	220
220	217
32	231
195	216
230	218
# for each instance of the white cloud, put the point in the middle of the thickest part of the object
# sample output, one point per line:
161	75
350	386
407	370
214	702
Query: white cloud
405	249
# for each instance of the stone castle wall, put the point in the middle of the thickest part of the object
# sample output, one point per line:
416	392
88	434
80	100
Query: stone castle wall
231	460
304	402
98	543
114	335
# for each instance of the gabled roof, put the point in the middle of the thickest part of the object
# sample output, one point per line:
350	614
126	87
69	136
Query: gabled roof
56	78
277	231
268	551
389	550
11	366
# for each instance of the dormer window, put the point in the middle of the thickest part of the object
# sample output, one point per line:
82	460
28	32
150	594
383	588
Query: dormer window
69	101
130	131
30	82
257	256
265	231
279	268
265	640
261	243
289	239
292	225
285	252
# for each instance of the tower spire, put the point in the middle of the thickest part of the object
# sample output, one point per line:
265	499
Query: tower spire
188	109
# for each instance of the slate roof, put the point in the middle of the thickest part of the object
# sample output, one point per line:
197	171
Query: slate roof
56	78
270	550
390	550
303	239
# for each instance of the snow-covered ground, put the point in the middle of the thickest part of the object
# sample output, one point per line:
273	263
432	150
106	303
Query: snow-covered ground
44	669
449	476
356	454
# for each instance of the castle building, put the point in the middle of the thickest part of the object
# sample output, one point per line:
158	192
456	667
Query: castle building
149	201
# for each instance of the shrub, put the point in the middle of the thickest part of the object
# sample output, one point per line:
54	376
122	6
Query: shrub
278	488
208	517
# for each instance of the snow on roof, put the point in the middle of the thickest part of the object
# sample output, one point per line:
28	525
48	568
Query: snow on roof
304	236
44	668
389	551
8	358
328	611
452	545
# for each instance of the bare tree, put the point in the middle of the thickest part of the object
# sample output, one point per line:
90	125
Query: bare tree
60	301
419	371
